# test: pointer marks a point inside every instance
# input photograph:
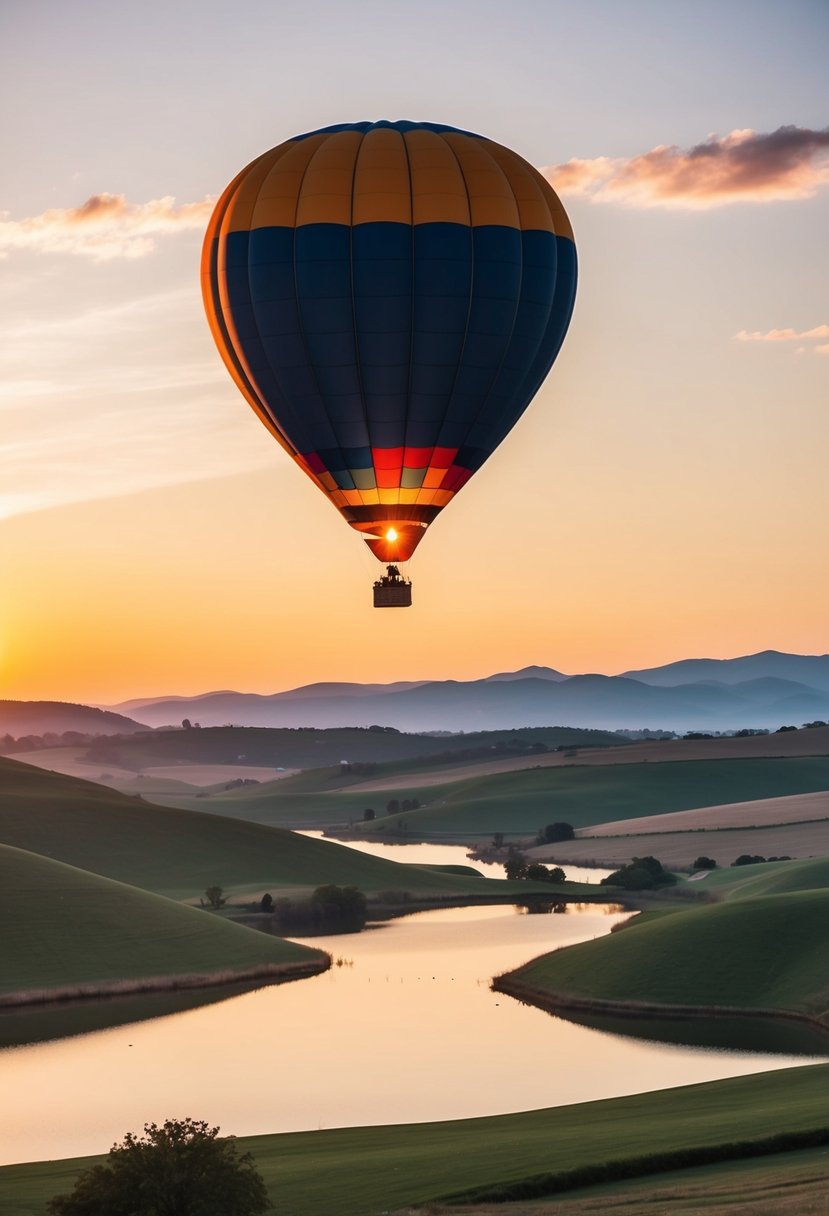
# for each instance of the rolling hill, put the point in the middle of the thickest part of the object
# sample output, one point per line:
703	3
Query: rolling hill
77	933
179	852
765	953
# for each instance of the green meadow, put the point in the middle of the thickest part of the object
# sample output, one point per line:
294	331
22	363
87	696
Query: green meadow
365	1170
75	930
518	803
767	878
180	853
765	953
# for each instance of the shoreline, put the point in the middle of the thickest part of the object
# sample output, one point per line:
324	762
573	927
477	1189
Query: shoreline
29	998
561	1002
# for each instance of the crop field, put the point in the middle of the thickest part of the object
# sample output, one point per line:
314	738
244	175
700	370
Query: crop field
813	742
519	803
761	813
362	1171
678	850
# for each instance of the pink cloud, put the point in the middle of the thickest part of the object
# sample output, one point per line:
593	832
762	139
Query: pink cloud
105	227
743	167
782	335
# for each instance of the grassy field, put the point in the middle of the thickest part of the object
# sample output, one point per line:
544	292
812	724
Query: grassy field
364	1171
749	953
180	853
771	878
785	1184
73	929
518	803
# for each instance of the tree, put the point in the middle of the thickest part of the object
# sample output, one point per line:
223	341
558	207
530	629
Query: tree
516	865
368	814
266	902
186	724
215	897
179	1169
554	832
705	863
392	806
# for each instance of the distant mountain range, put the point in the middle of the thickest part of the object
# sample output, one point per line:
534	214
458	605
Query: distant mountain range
761	690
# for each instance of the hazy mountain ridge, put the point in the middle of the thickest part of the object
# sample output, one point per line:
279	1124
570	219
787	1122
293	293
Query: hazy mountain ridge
812	669
754	691
19	718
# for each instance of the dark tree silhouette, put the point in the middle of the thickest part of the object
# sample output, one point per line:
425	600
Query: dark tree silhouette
181	1168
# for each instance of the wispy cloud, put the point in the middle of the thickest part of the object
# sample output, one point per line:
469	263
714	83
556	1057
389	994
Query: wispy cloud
783	335
818	333
743	167
103	228
115	399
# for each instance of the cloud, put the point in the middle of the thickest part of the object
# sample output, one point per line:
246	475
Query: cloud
103	228
782	335
817	333
743	167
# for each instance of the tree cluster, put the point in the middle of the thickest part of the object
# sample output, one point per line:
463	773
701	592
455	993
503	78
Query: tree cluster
640	874
754	859
330	909
555	832
517	867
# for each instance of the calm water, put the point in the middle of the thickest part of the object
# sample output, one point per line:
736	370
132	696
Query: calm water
428	854
405	1029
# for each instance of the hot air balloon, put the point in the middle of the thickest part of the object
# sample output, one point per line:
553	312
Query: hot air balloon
389	297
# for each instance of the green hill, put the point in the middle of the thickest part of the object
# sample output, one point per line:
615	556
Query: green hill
767	878
768	953
518	803
180	853
73	930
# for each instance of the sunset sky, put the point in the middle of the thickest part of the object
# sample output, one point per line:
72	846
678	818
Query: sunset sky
666	494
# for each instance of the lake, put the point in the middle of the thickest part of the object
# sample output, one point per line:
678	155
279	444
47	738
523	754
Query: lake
403	1028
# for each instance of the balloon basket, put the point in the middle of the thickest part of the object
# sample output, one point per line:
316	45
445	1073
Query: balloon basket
393	590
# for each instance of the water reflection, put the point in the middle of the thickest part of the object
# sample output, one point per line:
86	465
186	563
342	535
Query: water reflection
405	1029
718	1033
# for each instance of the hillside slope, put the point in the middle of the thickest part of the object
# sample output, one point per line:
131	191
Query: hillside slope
180	853
767	953
74	930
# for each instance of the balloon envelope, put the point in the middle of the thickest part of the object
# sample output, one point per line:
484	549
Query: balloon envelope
389	297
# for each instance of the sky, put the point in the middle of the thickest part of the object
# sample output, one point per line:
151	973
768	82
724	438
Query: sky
664	496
